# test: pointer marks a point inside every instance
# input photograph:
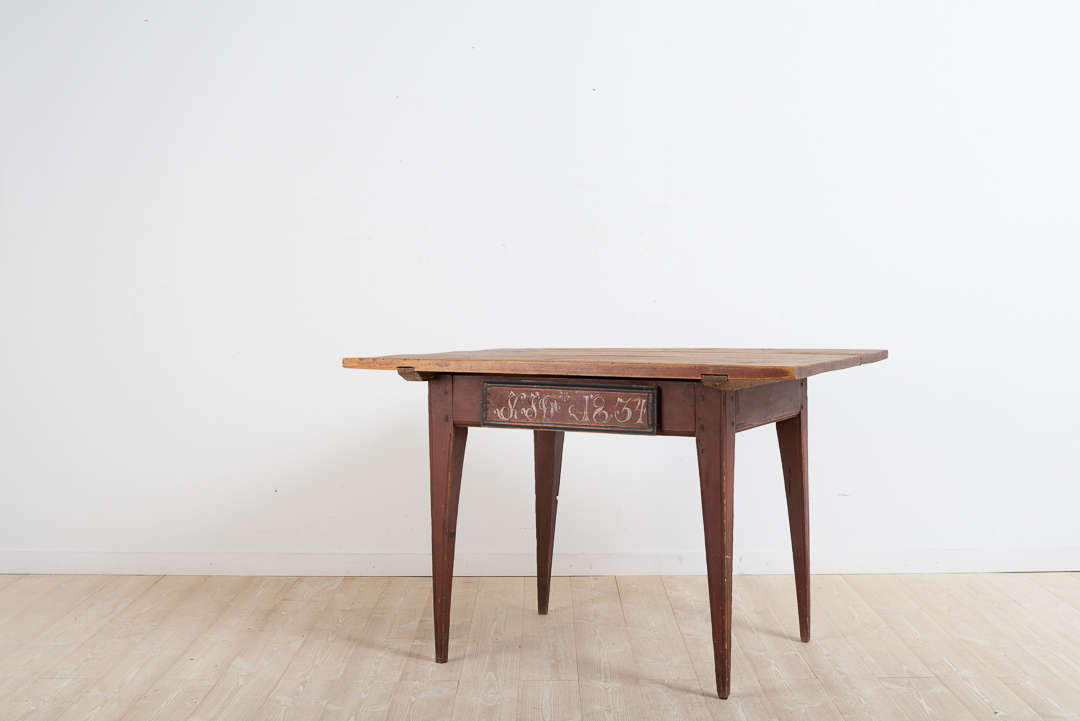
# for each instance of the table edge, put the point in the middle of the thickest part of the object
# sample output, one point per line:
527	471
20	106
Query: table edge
684	371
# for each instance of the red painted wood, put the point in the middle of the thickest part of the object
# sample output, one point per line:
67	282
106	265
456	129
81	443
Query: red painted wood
446	451
547	451
760	405
792	435
569	406
716	468
713	415
675	400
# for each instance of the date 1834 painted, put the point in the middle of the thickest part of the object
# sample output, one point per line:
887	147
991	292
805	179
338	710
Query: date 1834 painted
607	409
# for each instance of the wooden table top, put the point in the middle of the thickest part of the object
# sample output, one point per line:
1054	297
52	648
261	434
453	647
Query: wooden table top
690	363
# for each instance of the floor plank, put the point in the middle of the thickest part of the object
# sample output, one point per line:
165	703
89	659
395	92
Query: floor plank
22	594
305	687
800	698
1052	698
1026	617
830	654
416	700
1001	655
8	579
655	642
122	686
248	681
421	665
548	700
36	659
928	639
374	670
764	640
873	640
988	698
34	612
44	698
547	642
492	669
1065	586
957	647
608	684
689	598
927	699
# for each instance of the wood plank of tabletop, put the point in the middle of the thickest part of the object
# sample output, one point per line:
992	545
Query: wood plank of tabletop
690	363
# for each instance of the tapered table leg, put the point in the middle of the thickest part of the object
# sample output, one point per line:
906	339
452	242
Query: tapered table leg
715	415
792	436
547	451
446	451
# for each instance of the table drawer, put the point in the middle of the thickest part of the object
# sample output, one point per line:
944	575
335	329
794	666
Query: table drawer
569	407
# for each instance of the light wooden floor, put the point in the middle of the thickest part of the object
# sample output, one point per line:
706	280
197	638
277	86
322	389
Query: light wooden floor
952	647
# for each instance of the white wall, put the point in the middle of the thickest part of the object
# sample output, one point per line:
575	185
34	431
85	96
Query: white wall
205	206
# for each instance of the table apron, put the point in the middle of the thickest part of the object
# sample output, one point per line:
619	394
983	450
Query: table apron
676	413
760	405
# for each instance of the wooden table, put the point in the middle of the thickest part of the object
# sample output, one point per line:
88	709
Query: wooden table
707	393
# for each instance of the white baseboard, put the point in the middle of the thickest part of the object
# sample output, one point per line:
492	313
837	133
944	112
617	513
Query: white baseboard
524	564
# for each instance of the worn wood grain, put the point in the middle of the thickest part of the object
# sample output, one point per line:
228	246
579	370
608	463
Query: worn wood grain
768	646
877	644
1044	636
688	363
423	700
336	649
655	640
1002	656
551	700
689	599
305	687
252	676
1065	586
1054	699
124	632
988	698
800	698
492	669
16	597
45	698
547	642
8	579
115	693
43	604
382	651
831	654
25	663
421	665
607	675
927	698
928	639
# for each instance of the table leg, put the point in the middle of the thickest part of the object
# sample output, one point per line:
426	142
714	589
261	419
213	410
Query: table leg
715	416
446	451
547	452
791	434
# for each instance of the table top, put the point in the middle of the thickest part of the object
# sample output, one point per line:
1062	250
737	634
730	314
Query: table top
689	363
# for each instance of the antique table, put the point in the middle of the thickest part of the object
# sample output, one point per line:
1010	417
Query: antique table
709	394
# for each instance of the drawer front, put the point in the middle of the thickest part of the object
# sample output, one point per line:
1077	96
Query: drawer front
569	407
